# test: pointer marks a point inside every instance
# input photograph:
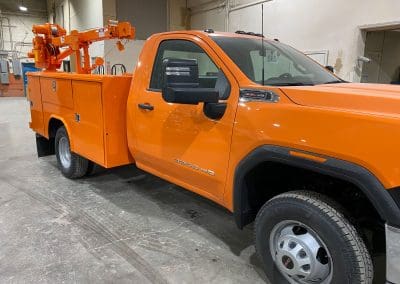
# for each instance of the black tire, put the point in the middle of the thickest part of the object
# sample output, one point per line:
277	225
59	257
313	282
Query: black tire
78	165
350	257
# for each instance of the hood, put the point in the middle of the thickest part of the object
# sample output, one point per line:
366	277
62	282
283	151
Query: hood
366	98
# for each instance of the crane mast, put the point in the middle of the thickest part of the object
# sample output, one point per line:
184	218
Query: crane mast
51	44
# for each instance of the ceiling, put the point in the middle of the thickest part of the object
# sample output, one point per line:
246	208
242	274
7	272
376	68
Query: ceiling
35	7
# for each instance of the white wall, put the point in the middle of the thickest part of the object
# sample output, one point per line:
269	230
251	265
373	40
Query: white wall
21	31
213	19
112	55
128	57
89	14
79	15
149	16
310	25
179	15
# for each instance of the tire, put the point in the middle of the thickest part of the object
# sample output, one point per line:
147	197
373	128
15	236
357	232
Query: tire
303	236
71	165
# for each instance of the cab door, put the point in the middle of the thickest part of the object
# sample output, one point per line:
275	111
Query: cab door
179	142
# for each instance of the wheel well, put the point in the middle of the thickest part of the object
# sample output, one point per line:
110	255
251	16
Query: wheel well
54	124
269	179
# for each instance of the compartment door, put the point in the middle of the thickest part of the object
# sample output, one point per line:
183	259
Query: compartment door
88	140
35	100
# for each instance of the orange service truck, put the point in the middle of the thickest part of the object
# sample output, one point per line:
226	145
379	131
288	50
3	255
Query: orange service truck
250	123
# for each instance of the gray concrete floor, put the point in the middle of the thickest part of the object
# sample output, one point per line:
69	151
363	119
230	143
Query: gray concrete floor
120	225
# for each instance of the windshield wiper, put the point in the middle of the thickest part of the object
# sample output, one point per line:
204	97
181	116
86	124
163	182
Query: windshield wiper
333	82
292	84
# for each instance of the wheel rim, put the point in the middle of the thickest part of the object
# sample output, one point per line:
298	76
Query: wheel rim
300	254
64	152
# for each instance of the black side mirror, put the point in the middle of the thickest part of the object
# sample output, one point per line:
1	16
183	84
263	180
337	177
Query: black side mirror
180	83
330	68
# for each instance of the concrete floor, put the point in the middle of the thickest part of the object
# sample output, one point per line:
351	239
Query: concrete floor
119	225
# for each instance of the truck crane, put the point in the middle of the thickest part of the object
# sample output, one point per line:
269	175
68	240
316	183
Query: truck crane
51	44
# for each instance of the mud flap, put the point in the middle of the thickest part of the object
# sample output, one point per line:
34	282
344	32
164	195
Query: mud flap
44	146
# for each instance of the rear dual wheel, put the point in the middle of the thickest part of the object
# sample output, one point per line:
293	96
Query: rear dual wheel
71	165
303	237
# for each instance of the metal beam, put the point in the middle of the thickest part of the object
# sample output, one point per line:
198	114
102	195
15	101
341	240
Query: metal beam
240	7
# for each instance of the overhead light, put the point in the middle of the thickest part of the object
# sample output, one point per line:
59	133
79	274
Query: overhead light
23	8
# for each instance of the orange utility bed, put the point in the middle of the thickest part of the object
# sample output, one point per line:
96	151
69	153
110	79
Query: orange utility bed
94	107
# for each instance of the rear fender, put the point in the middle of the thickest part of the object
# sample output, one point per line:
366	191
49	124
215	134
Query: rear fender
67	127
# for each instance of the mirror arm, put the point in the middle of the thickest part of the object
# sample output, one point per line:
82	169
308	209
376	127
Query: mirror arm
214	110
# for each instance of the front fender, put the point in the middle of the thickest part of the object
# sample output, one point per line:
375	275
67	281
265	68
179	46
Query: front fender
380	197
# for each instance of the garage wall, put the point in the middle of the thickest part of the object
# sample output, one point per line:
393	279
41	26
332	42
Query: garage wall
208	15
128	57
21	30
309	26
20	42
88	14
338	27
148	16
179	17
16	40
109	11
112	55
213	19
78	15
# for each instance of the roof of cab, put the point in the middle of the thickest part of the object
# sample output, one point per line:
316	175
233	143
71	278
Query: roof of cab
209	34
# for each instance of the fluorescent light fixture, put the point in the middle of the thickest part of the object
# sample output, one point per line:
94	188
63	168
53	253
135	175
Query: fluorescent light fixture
23	8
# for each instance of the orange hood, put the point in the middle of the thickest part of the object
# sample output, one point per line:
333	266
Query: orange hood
366	98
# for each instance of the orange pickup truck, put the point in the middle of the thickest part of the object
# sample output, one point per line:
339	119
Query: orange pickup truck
257	127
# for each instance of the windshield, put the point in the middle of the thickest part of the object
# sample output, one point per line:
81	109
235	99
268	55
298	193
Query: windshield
283	65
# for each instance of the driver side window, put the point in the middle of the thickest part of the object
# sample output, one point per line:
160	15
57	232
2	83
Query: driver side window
184	49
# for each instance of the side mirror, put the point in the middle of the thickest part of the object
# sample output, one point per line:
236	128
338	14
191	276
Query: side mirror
330	68
180	83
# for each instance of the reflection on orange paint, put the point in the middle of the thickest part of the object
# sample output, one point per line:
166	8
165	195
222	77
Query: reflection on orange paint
307	156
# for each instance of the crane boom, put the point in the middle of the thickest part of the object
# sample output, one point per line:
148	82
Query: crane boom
51	44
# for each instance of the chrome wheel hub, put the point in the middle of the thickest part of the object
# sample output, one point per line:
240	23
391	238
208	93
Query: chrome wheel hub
300	254
64	152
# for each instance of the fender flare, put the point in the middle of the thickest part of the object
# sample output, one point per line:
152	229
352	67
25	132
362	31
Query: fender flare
377	194
45	144
67	128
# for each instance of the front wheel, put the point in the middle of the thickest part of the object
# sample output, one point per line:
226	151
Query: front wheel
303	237
71	165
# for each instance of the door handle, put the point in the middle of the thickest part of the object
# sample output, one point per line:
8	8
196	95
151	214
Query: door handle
146	106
